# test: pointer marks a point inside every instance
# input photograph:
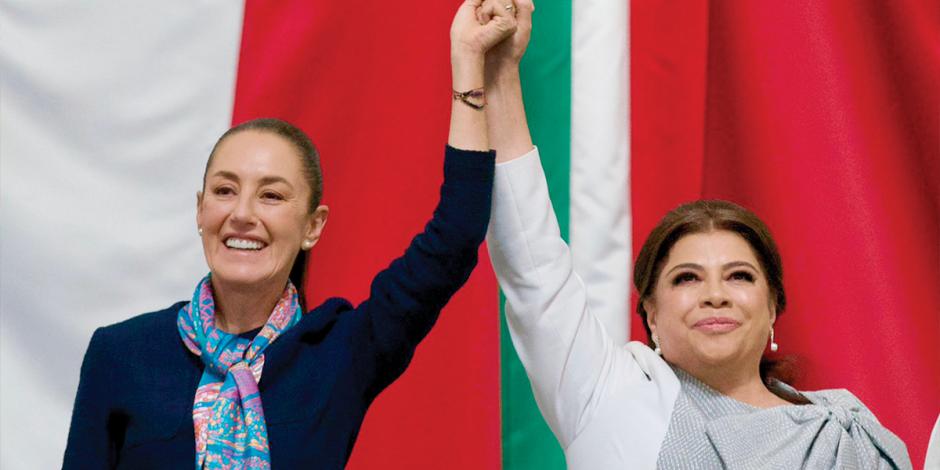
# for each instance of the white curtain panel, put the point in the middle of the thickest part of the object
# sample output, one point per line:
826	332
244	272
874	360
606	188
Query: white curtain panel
108	110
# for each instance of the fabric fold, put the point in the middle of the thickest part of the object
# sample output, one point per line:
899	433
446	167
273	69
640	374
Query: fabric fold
228	416
836	431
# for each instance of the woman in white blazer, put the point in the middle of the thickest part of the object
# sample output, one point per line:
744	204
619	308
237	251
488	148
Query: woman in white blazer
710	284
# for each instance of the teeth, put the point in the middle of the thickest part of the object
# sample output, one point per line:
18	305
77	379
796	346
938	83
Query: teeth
242	244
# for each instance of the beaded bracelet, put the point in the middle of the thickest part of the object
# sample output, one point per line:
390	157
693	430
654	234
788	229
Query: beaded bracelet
475	94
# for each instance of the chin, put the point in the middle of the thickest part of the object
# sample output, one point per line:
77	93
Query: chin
241	277
718	352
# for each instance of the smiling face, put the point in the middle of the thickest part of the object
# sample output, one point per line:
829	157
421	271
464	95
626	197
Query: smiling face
711	304
254	211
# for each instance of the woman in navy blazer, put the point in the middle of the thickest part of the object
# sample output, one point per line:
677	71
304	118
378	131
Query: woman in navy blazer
143	380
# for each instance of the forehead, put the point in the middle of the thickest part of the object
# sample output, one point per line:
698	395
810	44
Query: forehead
252	153
714	248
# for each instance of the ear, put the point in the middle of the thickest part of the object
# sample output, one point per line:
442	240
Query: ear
650	308
198	208
773	314
315	224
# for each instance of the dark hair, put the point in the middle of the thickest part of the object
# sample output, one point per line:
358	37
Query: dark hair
309	160
702	217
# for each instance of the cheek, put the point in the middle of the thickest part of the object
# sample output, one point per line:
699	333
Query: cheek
754	300
672	301
671	308
288	225
211	216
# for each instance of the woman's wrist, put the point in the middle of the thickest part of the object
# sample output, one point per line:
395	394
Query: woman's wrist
466	56
502	77
466	71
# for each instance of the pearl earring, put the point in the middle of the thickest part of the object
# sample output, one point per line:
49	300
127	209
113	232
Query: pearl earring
199	230
658	351
307	244
773	345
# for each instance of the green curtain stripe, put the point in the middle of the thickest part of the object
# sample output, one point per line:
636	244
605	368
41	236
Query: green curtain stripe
527	442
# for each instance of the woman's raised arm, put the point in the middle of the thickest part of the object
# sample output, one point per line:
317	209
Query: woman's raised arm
567	354
470	39
406	298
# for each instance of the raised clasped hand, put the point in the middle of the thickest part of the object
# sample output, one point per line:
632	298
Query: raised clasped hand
470	34
509	52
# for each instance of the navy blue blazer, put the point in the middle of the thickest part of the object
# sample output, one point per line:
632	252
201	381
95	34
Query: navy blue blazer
138	381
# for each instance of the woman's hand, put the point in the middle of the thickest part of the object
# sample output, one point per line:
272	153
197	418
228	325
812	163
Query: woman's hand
471	36
506	55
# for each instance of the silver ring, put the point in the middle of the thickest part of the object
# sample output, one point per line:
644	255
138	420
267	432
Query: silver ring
509	7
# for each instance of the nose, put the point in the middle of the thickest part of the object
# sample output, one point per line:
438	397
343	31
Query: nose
714	295
243	213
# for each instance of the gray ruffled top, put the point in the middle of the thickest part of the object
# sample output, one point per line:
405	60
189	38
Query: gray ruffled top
835	431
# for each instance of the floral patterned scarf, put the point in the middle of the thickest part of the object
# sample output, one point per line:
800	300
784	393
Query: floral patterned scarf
227	413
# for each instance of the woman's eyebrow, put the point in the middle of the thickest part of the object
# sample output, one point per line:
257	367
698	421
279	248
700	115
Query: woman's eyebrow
226	174
696	267
738	264
274	179
264	181
725	267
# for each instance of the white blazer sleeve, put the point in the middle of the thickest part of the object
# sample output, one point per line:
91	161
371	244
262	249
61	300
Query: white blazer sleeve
567	354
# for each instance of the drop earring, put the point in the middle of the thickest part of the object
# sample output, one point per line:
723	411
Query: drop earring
657	350
773	345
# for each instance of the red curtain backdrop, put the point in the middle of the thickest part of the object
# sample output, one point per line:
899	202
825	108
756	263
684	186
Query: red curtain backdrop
823	118
373	91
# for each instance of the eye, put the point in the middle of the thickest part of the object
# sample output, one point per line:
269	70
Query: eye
684	278
223	191
271	196
741	276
